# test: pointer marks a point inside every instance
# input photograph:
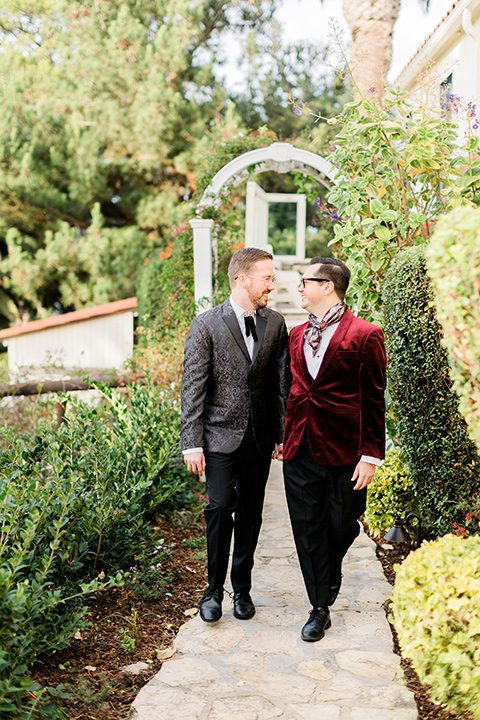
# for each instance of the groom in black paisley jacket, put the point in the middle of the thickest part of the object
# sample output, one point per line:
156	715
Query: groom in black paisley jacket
233	403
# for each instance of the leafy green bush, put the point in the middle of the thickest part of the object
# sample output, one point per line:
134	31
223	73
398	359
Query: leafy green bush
470	524
165	286
453	262
148	578
436	607
73	506
441	457
400	164
391	494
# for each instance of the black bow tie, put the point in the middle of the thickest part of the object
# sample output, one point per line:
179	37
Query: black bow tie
250	328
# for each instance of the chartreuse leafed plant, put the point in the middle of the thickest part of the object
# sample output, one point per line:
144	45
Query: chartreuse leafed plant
436	607
399	166
453	263
442	459
390	495
74	506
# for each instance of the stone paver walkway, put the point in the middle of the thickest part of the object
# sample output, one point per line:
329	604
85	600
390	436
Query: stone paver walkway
260	669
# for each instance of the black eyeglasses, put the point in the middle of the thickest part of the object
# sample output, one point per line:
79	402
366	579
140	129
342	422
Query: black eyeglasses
304	281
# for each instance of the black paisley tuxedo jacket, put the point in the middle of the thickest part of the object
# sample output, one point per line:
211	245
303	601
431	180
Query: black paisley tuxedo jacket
222	388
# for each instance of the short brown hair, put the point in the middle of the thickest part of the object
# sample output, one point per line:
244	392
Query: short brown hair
334	270
243	260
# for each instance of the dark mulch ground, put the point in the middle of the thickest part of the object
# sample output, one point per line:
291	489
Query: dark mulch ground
90	666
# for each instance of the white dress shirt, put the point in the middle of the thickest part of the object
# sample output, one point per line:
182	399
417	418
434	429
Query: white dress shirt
241	321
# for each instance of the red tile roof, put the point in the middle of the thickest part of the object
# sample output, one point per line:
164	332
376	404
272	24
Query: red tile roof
112	308
429	36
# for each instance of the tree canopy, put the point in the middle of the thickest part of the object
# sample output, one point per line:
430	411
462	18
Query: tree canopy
108	110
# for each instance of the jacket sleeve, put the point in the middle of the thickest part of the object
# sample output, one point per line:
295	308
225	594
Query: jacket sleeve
372	383
196	368
283	370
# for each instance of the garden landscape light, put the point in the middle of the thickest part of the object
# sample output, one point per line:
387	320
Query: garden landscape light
398	532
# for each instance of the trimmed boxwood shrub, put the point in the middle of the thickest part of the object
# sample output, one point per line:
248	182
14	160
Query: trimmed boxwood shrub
453	262
436	607
391	494
442	459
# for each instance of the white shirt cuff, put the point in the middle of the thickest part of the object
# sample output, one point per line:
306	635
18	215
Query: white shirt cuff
191	450
372	460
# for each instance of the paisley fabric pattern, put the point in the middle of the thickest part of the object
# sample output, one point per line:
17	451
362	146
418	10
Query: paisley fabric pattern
313	334
222	388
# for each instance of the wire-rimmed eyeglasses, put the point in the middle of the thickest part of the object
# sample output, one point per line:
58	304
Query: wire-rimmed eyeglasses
304	281
266	280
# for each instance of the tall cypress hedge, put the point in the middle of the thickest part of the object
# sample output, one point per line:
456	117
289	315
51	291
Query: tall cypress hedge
442	459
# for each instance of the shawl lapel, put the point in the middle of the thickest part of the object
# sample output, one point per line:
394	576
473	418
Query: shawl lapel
300	355
261	326
231	321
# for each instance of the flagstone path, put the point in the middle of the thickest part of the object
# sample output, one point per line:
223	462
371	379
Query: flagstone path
260	669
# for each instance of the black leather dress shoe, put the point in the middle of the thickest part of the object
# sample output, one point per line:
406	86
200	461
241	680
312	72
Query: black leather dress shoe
243	607
318	622
211	606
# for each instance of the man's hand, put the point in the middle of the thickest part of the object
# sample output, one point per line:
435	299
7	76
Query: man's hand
195	462
363	474
278	452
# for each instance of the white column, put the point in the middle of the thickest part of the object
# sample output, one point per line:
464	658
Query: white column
301	223
256	217
202	263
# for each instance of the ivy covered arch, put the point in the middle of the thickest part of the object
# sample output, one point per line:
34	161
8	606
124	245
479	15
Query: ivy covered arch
278	157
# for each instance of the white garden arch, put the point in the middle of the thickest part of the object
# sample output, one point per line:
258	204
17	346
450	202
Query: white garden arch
279	157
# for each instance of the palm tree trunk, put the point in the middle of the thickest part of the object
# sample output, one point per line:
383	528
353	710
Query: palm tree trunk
371	23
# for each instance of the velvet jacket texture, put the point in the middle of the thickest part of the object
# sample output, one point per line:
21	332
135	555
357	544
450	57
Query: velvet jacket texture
222	388
343	409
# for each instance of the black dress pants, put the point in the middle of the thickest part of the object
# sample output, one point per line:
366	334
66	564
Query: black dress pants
324	510
235	484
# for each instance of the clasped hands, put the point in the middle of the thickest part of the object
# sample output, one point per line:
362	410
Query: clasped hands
362	475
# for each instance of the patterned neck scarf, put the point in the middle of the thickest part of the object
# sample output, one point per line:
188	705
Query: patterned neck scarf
313	334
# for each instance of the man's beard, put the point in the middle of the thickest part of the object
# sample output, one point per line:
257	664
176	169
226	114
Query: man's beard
259	301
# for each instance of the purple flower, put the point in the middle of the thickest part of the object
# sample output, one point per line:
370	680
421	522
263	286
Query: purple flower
475	126
298	111
372	90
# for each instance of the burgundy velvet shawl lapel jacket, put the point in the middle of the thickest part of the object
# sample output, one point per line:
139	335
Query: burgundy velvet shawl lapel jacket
343	409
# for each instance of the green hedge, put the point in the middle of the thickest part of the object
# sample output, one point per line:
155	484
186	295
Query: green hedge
453	262
442	459
165	286
74	505
436	608
391	494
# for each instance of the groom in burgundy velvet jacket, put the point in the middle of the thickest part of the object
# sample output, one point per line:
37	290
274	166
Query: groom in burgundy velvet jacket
334	431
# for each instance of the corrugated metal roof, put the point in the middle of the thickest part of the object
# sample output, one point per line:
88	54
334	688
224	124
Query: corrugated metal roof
112	308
